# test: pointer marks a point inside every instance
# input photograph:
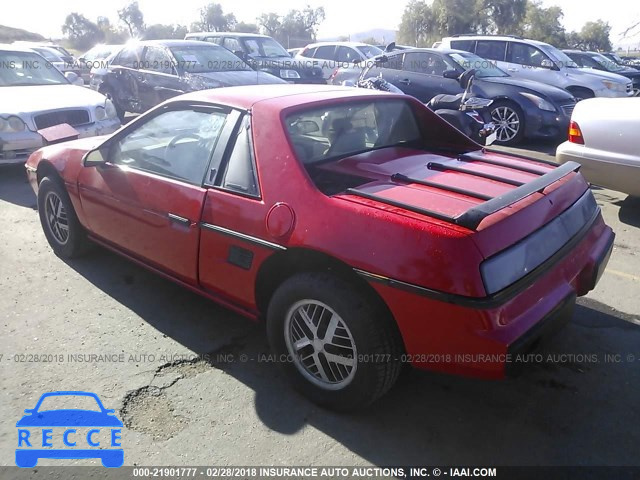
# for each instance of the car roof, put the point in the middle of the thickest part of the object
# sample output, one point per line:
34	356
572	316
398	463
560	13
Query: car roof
505	38
344	44
442	51
174	43
6	47
282	95
232	34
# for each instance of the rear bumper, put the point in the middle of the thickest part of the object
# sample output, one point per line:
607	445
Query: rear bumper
479	340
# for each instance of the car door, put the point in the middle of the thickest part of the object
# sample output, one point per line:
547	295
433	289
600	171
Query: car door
234	220
422	76
531	63
122	81
326	57
148	196
160	80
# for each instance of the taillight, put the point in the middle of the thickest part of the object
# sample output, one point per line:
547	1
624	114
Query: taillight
575	134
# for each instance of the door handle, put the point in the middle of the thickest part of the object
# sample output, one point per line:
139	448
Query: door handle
179	220
405	81
512	69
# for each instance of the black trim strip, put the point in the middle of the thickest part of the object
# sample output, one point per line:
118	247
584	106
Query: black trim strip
517	155
405	206
474	157
472	217
498	298
441	167
400	178
242	236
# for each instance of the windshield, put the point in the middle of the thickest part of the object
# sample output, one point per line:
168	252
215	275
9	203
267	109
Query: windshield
342	130
607	63
264	47
25	68
484	68
369	51
560	58
207	58
48	54
99	53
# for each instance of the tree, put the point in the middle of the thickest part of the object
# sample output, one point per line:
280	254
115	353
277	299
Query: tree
595	36
270	23
81	31
213	19
245	27
543	24
160	31
371	41
111	34
452	17
132	17
504	17
296	29
416	26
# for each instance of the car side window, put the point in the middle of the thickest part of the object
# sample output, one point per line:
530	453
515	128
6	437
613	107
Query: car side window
157	60
231	44
216	40
394	62
347	54
309	52
526	55
466	45
175	144
491	49
424	62
326	52
240	172
129	57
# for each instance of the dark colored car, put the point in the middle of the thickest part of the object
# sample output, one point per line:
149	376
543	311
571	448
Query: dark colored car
520	109
364	228
598	61
633	62
263	53
144	74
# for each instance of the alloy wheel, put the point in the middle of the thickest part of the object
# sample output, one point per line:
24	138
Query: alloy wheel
56	217
320	344
507	123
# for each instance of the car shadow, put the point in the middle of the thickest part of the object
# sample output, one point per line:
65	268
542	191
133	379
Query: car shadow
630	211
571	409
15	188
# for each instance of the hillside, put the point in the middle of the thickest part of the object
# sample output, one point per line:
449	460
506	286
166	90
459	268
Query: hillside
10	34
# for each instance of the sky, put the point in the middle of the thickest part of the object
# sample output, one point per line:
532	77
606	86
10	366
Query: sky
343	17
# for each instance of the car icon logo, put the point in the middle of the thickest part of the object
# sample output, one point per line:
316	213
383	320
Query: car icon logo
69	433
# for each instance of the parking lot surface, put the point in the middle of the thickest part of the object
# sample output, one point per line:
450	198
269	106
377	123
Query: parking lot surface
191	384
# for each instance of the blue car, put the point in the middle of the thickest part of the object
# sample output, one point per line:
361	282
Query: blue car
35	433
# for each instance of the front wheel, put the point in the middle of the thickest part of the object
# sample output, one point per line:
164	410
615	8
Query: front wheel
509	121
337	346
58	219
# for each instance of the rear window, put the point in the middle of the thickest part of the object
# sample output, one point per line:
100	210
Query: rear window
341	130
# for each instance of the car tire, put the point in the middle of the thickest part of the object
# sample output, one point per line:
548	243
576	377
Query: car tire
581	93
507	115
366	343
59	221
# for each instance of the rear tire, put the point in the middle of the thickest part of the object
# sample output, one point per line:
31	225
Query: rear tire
59	222
335	346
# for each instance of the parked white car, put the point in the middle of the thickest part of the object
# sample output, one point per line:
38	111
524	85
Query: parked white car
604	137
34	97
330	56
541	62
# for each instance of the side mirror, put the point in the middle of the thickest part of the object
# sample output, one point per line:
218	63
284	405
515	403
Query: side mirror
546	63
451	74
94	158
74	79
380	60
307	126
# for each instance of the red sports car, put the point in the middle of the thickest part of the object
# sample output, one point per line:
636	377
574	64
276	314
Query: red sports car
367	231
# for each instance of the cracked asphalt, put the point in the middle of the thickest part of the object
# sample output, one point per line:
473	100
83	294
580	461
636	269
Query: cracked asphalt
191	383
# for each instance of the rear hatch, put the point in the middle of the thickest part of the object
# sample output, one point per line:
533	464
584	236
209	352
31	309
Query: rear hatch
502	198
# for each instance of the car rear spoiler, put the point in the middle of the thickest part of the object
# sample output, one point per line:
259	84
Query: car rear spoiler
474	216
